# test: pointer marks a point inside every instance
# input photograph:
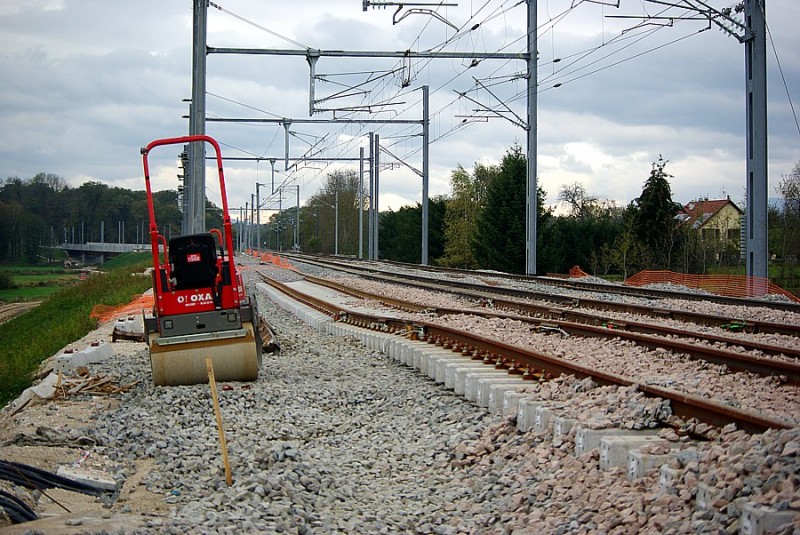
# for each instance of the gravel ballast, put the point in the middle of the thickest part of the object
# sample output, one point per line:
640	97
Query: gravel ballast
332	438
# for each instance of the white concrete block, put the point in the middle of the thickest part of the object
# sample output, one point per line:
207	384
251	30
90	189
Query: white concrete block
640	463
541	419
614	450
441	362
668	477
68	362
466	381
757	519
511	401
588	439
562	425
498	390
88	476
526	414
451	369
485	386
706	496
472	386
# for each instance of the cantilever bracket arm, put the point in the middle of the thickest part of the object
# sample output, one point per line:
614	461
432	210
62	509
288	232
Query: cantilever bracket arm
418	11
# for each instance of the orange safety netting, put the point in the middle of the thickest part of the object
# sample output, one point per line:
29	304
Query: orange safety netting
575	272
727	285
105	313
277	260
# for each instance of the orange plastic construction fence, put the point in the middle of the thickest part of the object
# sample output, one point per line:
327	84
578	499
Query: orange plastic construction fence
105	313
575	272
727	285
277	260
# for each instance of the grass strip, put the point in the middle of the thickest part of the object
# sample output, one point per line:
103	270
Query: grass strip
38	334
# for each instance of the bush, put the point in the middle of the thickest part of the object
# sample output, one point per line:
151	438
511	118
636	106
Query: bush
5	281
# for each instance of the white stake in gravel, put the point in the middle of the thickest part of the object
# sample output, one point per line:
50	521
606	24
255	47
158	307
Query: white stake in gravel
223	445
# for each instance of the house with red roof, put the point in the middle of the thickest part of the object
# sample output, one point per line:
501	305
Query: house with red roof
716	221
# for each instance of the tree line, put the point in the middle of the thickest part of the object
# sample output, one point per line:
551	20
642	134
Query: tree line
43	211
479	225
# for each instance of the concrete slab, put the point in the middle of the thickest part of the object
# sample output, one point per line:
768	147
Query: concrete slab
497	392
472	388
441	362
542	418
469	378
87	476
526	413
563	425
451	370
668	477
706	496
511	401
66	363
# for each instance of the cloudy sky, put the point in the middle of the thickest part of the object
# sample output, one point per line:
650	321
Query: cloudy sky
88	82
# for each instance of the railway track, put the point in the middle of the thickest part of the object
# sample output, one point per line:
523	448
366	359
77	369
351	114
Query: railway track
564	305
556	282
526	362
340	435
582	324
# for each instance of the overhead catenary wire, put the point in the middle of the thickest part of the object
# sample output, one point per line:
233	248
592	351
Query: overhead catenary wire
263	28
347	137
783	77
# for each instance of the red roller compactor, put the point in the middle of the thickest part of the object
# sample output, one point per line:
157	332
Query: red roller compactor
201	309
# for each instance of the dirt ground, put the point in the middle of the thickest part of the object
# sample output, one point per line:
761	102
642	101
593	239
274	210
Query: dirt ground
39	435
9	311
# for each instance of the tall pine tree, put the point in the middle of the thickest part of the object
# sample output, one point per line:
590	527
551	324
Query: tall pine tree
654	222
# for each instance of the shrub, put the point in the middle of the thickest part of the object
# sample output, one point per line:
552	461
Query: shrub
5	281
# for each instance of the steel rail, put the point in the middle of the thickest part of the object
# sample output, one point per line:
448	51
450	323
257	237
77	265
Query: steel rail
521	360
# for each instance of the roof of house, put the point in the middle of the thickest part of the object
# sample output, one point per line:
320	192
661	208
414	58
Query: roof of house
697	213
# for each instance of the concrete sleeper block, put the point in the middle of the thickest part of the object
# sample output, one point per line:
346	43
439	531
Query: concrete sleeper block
757	519
614	449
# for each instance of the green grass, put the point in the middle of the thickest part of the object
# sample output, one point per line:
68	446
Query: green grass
38	334
128	259
35	282
33	293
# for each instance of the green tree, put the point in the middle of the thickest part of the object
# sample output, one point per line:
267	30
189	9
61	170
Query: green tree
784	230
462	211
654	222
401	233
319	216
500	237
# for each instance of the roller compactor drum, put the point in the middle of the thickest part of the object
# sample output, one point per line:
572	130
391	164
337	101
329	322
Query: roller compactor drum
200	309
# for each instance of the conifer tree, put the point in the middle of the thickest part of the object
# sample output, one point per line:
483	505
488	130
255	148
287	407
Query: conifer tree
654	222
